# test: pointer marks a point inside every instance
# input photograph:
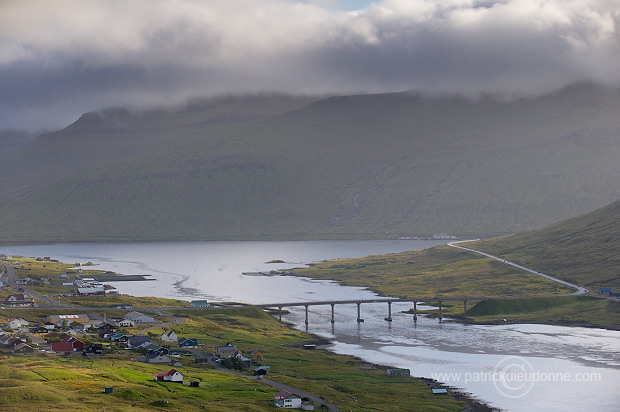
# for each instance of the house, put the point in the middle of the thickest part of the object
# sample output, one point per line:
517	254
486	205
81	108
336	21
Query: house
261	370
169	336
119	337
17	323
246	361
39	329
138	317
284	399
227	351
23	349
199	304
400	373
68	344
156	357
94	349
135	342
126	323
105	329
257	355
20	299
63	276
188	343
172	375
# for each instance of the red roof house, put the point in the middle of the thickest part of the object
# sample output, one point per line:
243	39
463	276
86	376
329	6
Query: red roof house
172	375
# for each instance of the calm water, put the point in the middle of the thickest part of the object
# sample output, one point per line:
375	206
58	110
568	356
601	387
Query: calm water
514	367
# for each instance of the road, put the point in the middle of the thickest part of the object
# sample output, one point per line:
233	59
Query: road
580	289
42	301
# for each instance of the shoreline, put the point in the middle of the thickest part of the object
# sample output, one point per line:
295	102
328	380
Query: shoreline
474	404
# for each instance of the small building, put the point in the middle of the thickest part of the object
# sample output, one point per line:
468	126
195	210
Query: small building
284	399
190	343
135	342
23	349
156	357
400	373
68	344
261	370
437	391
199	304
169	336
94	349
257	355
172	375
139	318
126	323
227	351
20	299
17	323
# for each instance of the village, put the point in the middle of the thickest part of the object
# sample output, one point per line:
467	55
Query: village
96	336
60	313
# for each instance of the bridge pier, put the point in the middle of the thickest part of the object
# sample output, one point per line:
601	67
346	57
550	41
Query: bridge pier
464	306
389	316
306	314
359	318
333	319
280	313
415	311
440	317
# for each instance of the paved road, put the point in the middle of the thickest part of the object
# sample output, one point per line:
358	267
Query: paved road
580	289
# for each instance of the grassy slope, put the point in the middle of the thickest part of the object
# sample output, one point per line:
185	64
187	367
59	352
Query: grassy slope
77	383
584	249
345	167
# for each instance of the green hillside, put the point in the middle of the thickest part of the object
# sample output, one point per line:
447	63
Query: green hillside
584	250
369	166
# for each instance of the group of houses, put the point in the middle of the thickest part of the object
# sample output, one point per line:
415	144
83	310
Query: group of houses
14	344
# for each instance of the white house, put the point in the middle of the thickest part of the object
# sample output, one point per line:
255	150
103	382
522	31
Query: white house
17	323
284	399
138	317
172	375
126	323
169	336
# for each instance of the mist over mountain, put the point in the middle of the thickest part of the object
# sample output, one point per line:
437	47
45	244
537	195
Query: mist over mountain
299	167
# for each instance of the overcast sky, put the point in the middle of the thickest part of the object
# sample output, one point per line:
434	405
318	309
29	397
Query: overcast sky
61	58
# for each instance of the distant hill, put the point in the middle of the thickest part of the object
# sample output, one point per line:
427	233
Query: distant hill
273	167
584	250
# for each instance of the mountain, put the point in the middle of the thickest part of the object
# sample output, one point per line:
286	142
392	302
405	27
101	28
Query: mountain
275	166
583	250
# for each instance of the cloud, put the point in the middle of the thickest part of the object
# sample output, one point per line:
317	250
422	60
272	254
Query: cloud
60	59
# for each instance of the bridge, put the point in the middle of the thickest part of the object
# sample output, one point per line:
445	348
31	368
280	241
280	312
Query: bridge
359	302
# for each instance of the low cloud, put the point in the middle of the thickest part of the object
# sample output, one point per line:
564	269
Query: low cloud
62	58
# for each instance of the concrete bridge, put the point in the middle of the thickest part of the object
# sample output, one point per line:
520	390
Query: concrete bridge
359	302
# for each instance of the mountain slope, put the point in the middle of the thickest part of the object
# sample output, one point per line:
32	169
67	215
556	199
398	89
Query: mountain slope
584	249
295	167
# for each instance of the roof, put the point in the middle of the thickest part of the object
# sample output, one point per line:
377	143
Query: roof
284	395
170	372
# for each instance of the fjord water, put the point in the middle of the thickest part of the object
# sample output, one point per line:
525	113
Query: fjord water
567	368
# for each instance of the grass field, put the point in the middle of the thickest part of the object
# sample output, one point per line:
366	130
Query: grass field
56	382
